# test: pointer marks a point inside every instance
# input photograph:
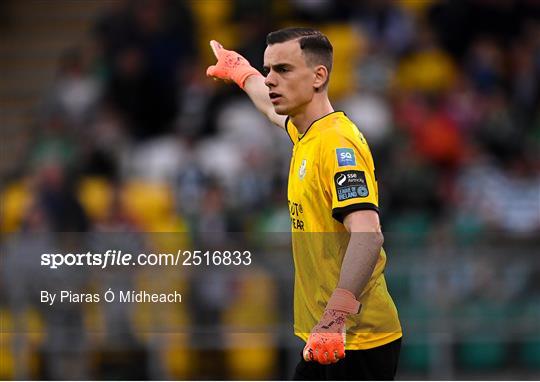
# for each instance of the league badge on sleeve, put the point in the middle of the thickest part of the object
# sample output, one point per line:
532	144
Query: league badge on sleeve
345	157
350	184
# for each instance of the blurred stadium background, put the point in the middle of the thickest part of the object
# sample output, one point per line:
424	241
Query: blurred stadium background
109	124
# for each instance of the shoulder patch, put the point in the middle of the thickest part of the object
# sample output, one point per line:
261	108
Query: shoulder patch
345	157
350	184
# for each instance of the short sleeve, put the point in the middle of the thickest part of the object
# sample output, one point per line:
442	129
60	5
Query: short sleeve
347	177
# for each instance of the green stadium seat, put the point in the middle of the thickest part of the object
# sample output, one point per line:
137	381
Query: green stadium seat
410	230
529	353
399	285
482	352
484	347
415	355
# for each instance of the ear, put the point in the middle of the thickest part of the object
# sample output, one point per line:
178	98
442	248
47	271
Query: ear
321	75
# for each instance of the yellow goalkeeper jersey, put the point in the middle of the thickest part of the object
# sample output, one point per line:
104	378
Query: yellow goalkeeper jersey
332	174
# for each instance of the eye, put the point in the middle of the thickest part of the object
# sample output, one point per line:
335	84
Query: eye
282	70
265	71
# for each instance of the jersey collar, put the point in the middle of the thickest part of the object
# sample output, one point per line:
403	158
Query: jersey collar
316	122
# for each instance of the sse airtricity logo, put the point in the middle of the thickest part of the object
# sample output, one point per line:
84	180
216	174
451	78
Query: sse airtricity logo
345	157
350	184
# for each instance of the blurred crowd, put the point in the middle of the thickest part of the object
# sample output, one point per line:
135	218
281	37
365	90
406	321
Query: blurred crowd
133	137
447	98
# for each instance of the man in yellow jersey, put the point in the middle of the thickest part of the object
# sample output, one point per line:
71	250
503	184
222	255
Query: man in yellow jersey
341	302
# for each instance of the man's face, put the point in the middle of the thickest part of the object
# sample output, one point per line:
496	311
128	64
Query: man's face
290	80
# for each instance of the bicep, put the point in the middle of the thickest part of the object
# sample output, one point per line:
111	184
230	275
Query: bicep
258	93
362	221
278	120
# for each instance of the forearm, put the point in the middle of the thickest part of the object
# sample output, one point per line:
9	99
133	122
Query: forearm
258	93
326	343
231	66
359	261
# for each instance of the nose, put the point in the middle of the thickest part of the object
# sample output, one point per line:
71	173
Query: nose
270	80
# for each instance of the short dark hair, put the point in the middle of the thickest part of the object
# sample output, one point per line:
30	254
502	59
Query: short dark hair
314	44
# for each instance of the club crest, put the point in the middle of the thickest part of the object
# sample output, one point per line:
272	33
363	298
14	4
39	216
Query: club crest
302	171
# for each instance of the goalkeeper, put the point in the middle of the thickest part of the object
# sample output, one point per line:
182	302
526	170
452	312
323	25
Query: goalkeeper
342	308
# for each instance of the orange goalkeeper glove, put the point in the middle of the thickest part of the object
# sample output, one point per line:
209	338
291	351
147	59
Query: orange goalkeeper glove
326	343
230	66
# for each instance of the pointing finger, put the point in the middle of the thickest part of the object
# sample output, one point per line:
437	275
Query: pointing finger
216	47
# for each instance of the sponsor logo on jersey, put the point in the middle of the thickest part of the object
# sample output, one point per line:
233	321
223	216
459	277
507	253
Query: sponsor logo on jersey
345	157
350	184
296	211
341	179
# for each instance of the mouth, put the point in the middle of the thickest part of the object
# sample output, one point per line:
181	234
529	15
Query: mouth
274	97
